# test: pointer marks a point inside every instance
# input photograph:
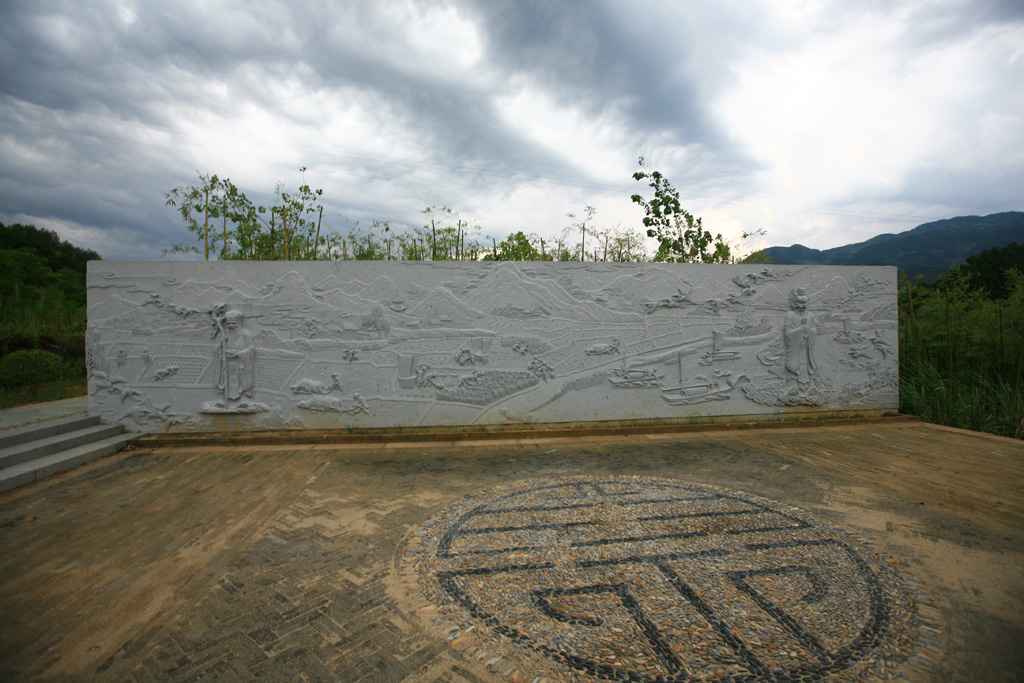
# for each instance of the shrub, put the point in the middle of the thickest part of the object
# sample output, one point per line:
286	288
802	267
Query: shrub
68	344
23	368
12	340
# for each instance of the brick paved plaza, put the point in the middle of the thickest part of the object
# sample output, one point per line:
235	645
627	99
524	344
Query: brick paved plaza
875	550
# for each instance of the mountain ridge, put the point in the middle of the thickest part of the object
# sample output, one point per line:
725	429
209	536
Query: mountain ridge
926	252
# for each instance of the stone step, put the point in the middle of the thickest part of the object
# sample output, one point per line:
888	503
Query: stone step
41	430
27	472
24	452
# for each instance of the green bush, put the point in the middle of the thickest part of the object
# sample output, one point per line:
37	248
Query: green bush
68	344
23	368
12	340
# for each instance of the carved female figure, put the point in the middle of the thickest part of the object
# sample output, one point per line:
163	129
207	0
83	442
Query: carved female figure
798	334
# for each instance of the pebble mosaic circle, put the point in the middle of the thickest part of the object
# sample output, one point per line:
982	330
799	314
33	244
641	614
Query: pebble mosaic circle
643	579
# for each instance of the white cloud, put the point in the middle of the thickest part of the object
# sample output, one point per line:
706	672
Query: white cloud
853	112
822	123
597	144
444	39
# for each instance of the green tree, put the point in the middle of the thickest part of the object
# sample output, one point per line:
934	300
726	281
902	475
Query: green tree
34	260
295	223
989	269
449	236
198	205
373	244
581	225
245	240
563	249
289	229
414	245
516	247
681	237
962	353
625	246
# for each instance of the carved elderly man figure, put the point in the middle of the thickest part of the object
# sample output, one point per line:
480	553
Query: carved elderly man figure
798	335
237	358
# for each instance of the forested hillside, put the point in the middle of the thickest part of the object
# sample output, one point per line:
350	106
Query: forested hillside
42	310
925	253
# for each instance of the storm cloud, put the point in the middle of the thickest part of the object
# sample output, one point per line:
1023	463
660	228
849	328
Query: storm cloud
821	123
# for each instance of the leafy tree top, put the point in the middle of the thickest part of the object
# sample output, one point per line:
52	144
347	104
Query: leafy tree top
989	270
215	209
517	247
681	237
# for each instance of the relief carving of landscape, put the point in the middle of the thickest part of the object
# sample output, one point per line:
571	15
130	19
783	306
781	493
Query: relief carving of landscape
248	346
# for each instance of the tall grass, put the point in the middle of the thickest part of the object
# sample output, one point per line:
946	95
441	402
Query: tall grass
962	355
971	400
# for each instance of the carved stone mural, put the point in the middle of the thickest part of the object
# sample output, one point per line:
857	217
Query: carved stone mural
245	346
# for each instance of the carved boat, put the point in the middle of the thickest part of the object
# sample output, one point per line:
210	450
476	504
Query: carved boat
635	379
848	335
700	388
716	348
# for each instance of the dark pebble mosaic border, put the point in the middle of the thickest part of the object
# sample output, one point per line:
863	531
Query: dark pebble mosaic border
655	580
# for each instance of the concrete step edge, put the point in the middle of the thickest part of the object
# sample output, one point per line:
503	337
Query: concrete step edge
41	430
15	455
39	468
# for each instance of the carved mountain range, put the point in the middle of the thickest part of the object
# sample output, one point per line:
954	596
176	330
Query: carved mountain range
508	284
202	295
109	306
770	296
230	283
382	290
648	284
837	290
148	320
442	305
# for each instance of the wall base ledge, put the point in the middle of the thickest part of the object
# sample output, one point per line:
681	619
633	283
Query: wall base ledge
518	431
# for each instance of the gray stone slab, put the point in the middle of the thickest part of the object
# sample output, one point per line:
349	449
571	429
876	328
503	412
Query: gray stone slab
13	418
79	455
42	430
24	452
229	346
33	470
13	477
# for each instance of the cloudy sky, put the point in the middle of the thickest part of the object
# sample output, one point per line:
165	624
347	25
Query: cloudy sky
820	122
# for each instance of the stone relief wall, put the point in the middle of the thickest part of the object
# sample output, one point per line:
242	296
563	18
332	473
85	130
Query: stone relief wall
210	346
